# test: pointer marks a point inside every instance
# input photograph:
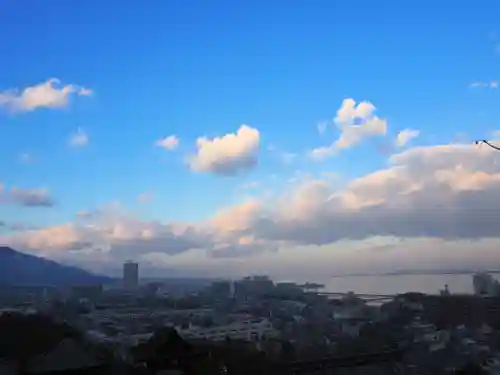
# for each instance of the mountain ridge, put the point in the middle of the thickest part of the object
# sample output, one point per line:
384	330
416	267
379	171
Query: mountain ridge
18	268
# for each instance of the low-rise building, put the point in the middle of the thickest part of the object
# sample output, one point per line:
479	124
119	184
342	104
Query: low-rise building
249	330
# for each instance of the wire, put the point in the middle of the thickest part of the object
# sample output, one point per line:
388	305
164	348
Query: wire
487	143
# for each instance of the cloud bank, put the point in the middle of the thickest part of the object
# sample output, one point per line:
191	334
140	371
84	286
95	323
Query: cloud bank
446	193
429	206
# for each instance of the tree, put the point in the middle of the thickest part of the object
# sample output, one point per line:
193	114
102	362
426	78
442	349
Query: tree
25	336
165	349
288	351
471	368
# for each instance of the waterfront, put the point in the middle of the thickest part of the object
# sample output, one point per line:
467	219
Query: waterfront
394	284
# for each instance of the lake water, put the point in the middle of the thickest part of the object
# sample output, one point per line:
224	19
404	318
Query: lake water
430	284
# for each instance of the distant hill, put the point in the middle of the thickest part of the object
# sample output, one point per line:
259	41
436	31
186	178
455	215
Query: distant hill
18	268
420	273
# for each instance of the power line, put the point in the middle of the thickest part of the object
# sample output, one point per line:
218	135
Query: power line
488	144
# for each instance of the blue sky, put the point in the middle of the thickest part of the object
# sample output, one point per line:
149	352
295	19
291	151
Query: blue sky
203	68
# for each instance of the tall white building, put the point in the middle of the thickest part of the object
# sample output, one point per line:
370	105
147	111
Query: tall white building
231	289
130	275
485	285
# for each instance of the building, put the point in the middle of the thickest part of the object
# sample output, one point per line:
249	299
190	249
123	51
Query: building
231	289
90	292
468	310
152	289
130	275
485	285
287	289
254	285
220	289
249	330
445	292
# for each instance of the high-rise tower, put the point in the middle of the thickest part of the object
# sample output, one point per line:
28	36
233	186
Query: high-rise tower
130	275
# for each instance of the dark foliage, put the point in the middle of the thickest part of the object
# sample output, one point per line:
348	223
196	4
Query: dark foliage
471	311
412	296
25	336
165	344
166	349
471	369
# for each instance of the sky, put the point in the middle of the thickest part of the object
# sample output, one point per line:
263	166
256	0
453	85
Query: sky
222	138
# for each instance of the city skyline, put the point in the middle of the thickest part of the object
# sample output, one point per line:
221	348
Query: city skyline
221	140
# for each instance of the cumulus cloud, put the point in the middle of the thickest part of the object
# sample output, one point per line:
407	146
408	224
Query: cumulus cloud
37	197
78	139
443	191
121	234
168	143
405	136
356	122
49	94
491	84
227	155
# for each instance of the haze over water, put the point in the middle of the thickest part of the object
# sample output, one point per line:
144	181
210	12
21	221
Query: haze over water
394	284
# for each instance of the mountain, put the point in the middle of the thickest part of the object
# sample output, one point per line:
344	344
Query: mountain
18	268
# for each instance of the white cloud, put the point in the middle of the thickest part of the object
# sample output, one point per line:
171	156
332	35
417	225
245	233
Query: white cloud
322	153
79	139
229	154
406	135
48	94
288	157
252	185
120	232
85	92
355	122
145	197
284	156
37	197
26	158
491	84
168	143
322	127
